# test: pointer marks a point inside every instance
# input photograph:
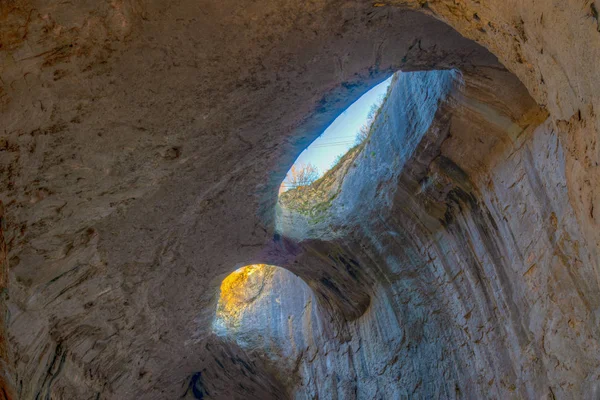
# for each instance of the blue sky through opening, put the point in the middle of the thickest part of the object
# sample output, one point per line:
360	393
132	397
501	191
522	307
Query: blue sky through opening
340	136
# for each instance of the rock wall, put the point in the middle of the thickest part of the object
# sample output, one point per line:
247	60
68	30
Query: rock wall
142	144
6	379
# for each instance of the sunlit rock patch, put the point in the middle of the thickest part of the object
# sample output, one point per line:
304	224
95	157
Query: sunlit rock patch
255	300
238	292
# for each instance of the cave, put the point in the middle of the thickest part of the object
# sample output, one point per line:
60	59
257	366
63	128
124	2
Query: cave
453	255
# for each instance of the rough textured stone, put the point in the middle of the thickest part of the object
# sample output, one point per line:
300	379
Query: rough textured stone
142	144
6	378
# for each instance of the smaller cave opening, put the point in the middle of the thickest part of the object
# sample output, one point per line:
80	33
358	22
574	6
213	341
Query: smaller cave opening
238	293
263	307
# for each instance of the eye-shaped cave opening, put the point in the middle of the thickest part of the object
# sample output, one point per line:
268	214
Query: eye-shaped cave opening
253	296
338	142
266	310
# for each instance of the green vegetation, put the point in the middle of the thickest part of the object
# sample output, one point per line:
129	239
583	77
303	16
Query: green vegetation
315	199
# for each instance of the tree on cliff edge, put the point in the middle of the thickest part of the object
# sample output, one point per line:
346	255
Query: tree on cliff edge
301	175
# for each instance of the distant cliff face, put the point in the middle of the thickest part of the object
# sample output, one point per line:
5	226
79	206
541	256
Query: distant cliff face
142	145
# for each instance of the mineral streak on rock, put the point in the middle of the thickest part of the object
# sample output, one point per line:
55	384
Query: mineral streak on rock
142	144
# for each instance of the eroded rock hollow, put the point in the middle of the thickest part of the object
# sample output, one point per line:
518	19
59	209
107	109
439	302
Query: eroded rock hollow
456	254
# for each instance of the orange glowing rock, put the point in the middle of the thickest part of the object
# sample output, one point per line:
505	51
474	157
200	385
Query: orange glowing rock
240	289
